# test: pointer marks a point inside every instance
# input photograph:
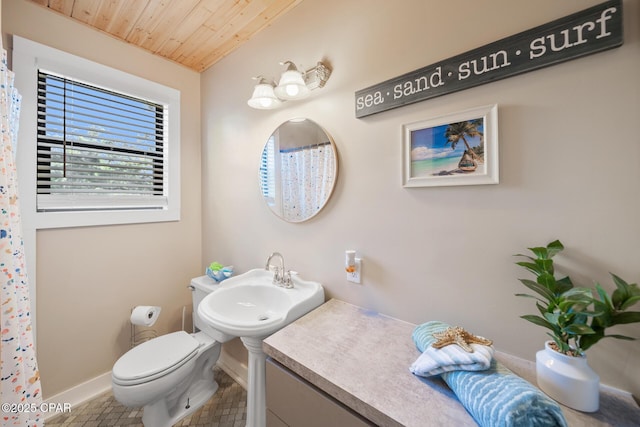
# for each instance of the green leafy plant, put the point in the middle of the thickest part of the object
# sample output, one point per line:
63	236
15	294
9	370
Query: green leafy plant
576	316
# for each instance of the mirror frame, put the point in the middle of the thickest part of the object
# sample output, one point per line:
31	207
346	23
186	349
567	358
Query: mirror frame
330	190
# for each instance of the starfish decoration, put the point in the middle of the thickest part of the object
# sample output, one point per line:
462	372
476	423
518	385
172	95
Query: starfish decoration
458	336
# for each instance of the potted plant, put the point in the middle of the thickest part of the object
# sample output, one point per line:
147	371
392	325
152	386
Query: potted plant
577	318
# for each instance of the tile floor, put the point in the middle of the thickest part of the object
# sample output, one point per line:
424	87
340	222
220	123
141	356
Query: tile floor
227	408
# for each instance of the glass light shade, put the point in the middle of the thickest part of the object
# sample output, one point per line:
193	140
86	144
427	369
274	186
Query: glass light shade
292	84
263	97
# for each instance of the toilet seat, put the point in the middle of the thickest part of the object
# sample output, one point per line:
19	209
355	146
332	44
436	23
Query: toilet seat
155	358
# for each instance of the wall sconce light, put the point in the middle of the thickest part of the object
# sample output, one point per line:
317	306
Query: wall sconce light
263	96
292	85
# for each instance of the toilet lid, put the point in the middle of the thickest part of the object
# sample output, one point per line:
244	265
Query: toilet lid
151	358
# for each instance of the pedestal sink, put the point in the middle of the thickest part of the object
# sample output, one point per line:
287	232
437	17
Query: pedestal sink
252	307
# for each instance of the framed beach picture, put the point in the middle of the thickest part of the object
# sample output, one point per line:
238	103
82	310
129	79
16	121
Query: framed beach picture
457	149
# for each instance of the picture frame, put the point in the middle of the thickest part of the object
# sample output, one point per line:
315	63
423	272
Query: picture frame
455	149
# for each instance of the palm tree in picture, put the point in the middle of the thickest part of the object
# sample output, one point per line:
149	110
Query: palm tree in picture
459	131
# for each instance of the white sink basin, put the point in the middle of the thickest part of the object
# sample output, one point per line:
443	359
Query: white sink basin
250	305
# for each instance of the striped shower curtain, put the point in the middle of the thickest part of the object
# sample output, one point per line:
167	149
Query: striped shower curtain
19	380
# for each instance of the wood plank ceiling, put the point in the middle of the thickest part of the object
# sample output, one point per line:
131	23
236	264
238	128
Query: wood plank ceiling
194	33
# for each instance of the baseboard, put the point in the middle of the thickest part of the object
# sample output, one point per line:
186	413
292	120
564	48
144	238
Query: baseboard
236	370
80	393
94	387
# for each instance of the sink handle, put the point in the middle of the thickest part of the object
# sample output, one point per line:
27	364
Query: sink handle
277	279
287	282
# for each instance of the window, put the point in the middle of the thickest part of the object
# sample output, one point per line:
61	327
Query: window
96	145
267	172
97	149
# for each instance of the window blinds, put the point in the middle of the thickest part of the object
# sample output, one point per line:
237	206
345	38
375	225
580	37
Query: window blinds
268	171
97	149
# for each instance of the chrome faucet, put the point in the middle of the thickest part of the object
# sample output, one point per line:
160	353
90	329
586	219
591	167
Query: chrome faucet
280	277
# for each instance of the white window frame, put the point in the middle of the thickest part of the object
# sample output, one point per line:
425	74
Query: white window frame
28	57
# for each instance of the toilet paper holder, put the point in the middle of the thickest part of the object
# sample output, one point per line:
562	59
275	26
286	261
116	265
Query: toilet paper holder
143	317
138	337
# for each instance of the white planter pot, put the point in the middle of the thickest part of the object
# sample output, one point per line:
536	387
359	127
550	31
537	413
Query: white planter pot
567	379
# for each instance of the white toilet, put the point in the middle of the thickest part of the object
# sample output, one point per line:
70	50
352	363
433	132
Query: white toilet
171	376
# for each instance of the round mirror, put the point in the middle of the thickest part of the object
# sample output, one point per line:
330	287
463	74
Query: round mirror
298	170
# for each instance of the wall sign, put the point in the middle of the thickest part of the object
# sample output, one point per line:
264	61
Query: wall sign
589	31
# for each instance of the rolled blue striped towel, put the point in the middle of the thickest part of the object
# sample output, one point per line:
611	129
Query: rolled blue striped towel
495	397
434	361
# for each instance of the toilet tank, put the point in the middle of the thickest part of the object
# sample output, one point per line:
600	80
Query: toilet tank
200	288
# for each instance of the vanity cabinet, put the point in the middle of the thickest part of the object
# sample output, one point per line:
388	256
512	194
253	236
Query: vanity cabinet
343	365
293	402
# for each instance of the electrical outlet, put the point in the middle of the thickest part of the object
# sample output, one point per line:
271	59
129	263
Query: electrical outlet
355	276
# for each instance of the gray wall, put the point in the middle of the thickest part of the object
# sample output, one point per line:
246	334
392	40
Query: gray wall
89	278
569	161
